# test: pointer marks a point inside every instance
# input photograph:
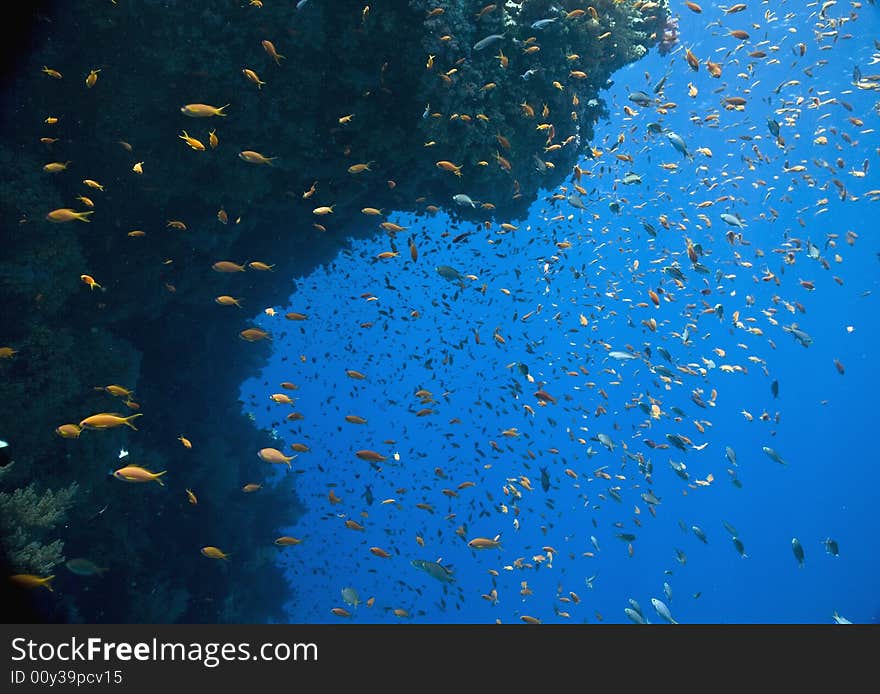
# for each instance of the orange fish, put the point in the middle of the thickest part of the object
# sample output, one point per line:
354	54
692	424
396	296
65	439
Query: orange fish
202	110
379	552
228	301
273	455
90	281
65	214
136	473
32	581
449	166
254	334
485	543
252	157
252	76
105	420
214	553
192	142
269	47
372	456
227	266
287	541
68	431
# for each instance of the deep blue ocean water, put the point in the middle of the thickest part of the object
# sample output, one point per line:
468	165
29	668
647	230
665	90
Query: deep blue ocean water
828	485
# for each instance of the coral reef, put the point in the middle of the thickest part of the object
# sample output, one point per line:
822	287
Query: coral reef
153	326
27	517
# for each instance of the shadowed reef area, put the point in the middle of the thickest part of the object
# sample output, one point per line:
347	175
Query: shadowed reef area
153	326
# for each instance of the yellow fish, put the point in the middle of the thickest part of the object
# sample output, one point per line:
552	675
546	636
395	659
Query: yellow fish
32	581
136	473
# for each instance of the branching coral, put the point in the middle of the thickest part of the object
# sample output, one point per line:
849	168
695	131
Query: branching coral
28	516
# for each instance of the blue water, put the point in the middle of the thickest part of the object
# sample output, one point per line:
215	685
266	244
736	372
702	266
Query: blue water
827	487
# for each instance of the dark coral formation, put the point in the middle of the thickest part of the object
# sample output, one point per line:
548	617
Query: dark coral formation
154	326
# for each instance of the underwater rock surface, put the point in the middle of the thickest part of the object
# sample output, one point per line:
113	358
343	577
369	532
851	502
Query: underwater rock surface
150	326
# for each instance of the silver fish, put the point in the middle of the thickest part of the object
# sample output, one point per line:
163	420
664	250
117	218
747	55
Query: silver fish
678	144
622	356
350	597
606	441
731	455
732	220
773	455
434	570
662	610
84	567
449	273
634	616
488	41
798	550
463	199
541	23
839	620
798	334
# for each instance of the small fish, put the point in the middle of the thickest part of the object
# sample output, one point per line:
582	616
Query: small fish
136	473
663	610
838	619
214	553
739	547
541	23
449	273
84	567
485	543
634	616
488	41
434	569
545	479
32	581
732	220
831	546
798	334
106	420
252	157
679	145
701	536
773	455
798	550
202	110
350	597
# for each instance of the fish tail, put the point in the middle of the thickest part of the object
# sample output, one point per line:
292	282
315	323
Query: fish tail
129	424
46	582
157	477
220	110
84	216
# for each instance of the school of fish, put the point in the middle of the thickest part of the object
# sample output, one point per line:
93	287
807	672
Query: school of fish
577	419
